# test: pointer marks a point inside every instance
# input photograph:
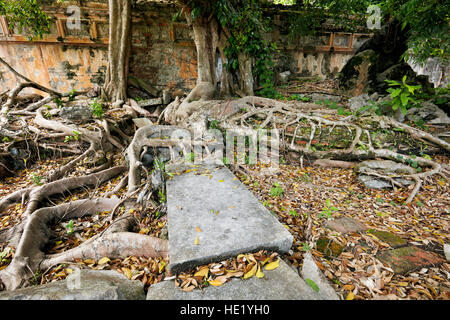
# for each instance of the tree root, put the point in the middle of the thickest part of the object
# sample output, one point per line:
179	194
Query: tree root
294	124
117	243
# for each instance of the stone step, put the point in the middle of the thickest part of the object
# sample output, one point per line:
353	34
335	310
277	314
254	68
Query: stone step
282	283
212	216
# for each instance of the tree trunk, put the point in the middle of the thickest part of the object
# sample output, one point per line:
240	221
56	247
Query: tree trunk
115	87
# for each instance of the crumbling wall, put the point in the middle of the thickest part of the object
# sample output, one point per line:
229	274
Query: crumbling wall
163	52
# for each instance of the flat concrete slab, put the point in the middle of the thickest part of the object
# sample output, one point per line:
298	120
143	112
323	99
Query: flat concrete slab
212	216
282	283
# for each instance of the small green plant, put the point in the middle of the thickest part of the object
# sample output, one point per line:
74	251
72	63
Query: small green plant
59	102
37	180
4	253
162	196
402	95
72	95
76	136
97	108
372	106
69	227
293	213
190	157
328	210
276	190
306	247
214	124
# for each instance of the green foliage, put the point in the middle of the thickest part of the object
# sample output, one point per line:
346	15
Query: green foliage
69	227
328	210
425	22
214	124
37	180
312	284
293	213
305	247
97	108
276	190
76	136
402	95
72	95
26	17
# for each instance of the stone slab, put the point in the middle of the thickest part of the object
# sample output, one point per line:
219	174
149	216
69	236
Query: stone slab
83	285
406	259
282	283
345	225
231	219
310	270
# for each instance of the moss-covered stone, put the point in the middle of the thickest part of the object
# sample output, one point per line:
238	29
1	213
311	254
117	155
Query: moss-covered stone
390	238
329	247
406	259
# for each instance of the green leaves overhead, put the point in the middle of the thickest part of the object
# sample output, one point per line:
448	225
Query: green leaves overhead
26	17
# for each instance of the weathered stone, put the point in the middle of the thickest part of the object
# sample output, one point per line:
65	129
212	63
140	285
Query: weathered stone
329	247
358	102
373	183
232	220
83	285
312	272
406	259
388	167
345	225
429	113
385	167
282	283
284	76
390	238
76	113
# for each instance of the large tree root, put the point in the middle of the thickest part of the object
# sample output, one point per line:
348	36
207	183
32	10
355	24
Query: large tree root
296	126
114	243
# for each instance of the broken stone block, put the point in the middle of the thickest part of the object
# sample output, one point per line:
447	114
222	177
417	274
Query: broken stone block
345	225
390	238
329	247
406	259
311	271
76	113
83	285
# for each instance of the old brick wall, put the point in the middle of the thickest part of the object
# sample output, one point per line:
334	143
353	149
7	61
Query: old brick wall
163	52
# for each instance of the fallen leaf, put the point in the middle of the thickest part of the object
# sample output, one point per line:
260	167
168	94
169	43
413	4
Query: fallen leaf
251	273
127	272
350	296
198	229
215	283
202	272
197	241
103	260
312	284
259	273
273	265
